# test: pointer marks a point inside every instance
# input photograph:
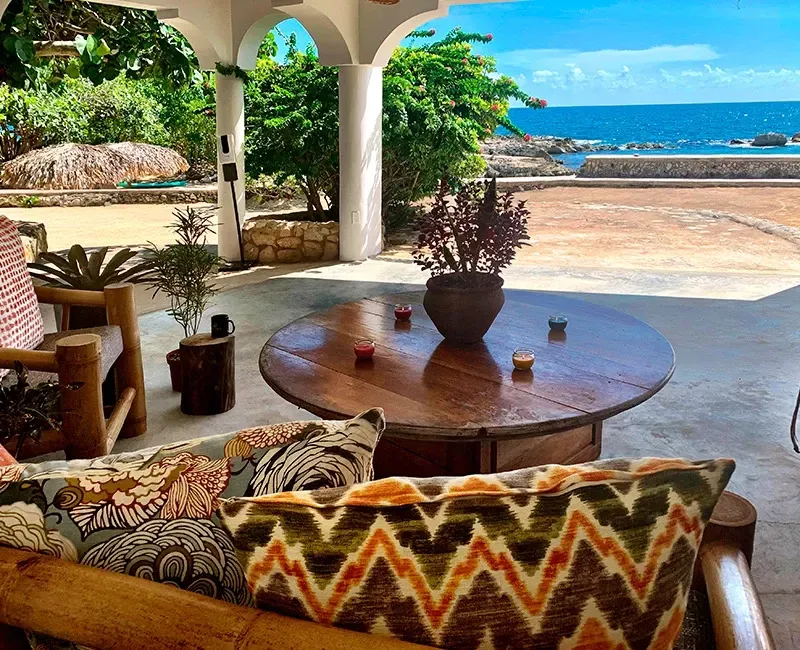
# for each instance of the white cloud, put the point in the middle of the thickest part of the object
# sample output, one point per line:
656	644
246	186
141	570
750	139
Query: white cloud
607	59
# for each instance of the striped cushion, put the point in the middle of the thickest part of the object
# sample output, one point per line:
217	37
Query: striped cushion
21	324
595	556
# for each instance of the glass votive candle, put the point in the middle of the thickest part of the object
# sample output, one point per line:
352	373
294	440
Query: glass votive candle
402	312
558	322
364	349
523	359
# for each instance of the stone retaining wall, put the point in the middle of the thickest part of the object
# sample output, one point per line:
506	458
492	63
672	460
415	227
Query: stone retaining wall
275	241
717	166
81	198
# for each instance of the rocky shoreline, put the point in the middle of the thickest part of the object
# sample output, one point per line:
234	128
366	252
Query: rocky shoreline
509	156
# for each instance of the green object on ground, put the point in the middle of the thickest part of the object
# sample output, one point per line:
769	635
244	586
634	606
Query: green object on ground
151	184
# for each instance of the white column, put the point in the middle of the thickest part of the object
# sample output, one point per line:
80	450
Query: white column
230	119
360	159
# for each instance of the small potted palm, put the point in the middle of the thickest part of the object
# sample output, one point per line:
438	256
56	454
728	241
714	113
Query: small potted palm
465	241
184	271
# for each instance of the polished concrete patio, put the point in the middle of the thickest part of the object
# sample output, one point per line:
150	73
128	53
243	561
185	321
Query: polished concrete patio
737	346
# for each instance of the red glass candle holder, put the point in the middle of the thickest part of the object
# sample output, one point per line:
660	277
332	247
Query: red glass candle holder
523	359
402	312
364	349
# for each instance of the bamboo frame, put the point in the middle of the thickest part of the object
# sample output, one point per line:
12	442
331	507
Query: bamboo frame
77	297
121	311
77	361
105	610
81	382
738	616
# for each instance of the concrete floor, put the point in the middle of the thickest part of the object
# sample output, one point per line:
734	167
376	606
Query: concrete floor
731	312
732	393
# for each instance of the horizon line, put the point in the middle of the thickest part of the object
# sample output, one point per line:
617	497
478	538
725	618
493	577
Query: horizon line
767	101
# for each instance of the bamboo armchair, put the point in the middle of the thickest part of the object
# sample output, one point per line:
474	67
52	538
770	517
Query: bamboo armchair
105	610
77	360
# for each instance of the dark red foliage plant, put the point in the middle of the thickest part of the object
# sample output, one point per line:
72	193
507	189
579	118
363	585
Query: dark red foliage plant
470	234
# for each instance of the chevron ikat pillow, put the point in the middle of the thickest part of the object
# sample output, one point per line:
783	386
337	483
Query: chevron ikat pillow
586	556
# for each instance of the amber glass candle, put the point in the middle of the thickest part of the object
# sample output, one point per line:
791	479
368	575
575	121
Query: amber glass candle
364	349
523	359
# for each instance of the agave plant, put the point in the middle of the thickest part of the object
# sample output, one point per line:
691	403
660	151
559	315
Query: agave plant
81	271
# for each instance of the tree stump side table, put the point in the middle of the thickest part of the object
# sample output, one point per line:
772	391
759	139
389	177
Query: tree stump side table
208	373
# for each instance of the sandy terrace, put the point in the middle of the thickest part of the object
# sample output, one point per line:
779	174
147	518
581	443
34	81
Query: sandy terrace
709	229
747	230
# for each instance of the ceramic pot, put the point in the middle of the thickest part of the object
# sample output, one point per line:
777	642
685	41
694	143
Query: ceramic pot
175	372
464	314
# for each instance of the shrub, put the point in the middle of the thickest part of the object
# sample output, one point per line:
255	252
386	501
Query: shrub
293	125
29	120
187	115
116	111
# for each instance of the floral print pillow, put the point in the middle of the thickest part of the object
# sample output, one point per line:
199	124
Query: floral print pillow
151	514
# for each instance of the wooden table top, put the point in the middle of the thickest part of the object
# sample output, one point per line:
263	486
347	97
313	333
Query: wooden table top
605	363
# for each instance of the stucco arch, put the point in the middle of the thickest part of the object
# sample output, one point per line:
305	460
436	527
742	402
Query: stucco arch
254	36
333	48
378	44
207	54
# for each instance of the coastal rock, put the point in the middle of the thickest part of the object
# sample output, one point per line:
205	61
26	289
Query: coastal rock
769	140
506	146
736	141
508	166
644	145
796	137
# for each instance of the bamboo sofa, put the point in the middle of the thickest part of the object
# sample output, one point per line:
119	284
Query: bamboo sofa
105	610
81	360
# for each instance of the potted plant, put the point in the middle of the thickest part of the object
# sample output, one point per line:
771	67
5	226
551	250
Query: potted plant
465	241
183	271
77	270
26	411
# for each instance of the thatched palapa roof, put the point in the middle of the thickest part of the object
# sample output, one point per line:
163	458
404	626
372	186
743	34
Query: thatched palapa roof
89	167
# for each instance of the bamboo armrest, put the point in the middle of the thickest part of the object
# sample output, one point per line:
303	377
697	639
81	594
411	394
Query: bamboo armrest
104	610
737	614
32	359
56	296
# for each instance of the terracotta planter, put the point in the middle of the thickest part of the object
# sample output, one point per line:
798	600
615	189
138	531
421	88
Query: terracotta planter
175	372
461	314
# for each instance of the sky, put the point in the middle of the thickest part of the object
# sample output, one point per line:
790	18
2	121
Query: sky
602	52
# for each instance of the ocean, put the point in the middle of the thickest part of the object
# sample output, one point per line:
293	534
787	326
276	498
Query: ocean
684	128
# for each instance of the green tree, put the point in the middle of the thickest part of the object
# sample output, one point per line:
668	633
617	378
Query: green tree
42	41
293	124
440	101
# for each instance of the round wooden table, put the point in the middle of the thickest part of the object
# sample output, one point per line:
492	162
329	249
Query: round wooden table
458	410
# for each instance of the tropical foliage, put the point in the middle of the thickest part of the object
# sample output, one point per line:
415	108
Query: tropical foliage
132	78
440	100
106	41
77	270
292	113
475	232
26	411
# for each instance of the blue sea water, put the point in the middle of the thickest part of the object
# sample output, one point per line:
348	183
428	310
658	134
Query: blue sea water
684	128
